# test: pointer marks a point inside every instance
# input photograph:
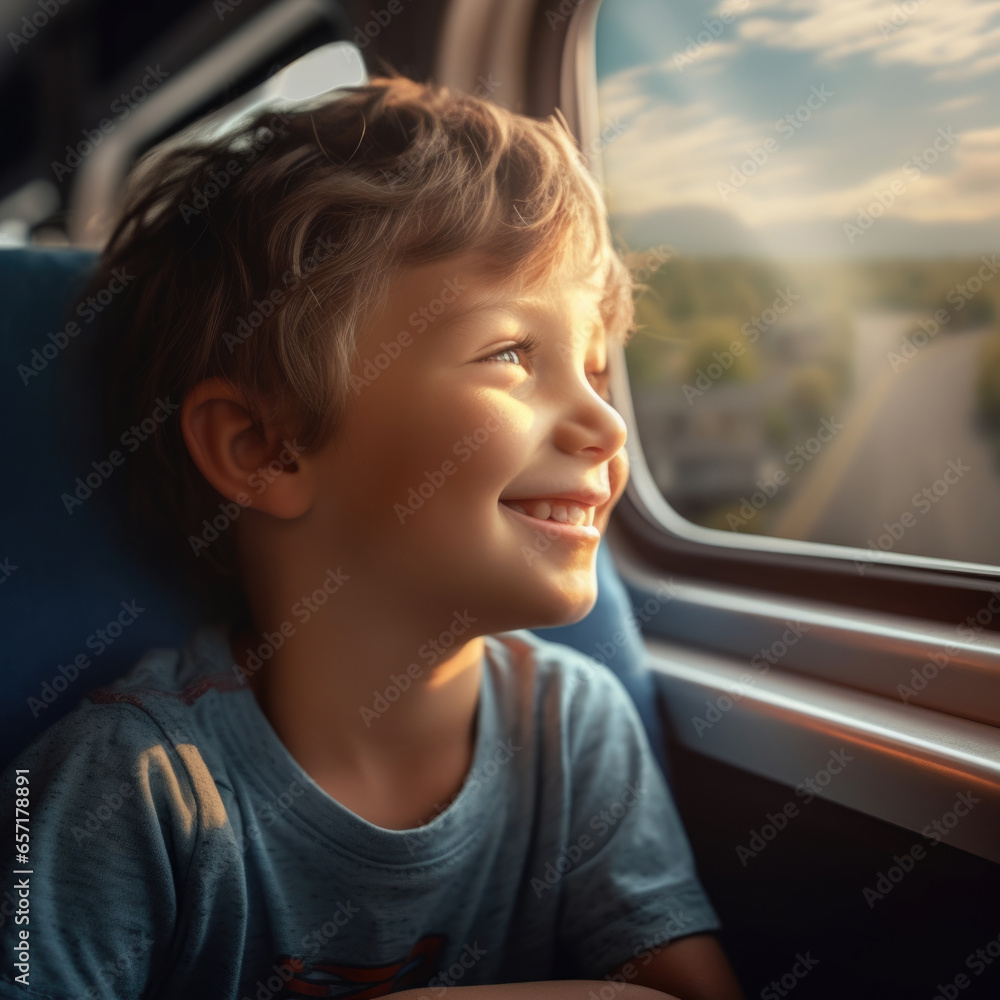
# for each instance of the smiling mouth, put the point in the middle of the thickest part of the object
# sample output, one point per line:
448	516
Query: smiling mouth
553	529
560	511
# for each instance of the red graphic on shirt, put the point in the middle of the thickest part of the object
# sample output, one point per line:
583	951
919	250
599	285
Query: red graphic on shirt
359	982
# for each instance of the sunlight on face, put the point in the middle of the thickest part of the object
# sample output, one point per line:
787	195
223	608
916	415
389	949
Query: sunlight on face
480	400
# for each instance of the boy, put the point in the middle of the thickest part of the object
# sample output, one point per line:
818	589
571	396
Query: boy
387	317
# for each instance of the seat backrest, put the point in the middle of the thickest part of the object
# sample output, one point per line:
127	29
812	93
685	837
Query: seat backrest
76	608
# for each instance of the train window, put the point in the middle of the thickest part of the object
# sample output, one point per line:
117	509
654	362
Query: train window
810	194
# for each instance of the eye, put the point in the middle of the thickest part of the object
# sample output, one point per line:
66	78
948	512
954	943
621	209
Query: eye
527	345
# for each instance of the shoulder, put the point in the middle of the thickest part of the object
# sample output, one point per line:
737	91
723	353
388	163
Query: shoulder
171	676
105	729
524	654
129	730
588	697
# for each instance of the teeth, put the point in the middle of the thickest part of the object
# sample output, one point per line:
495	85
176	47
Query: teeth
542	510
564	513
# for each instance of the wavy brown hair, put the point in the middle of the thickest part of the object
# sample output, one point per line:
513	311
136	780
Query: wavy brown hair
322	205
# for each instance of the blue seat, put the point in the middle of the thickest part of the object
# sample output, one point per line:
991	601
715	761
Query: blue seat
66	573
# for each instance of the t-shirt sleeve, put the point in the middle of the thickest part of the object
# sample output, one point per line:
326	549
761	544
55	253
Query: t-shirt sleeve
118	830
629	881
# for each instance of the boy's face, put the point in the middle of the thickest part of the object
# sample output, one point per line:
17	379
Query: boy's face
449	422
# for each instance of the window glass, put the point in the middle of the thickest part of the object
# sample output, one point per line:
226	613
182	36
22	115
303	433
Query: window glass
810	189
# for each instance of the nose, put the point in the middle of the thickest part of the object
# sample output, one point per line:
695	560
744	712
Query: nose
589	423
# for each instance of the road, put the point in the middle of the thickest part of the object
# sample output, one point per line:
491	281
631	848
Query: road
899	437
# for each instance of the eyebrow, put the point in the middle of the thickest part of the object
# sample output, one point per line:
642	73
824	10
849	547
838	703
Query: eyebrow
490	301
485	303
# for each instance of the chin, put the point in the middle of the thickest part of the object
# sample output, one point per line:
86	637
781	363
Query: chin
555	587
516	605
580	612
558	606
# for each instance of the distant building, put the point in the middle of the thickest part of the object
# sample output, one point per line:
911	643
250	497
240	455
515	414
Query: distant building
712	450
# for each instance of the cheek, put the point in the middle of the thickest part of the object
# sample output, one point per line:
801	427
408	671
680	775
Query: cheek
453	449
490	451
446	450
472	459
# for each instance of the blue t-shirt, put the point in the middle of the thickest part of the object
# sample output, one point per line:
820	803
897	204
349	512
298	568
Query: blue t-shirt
178	850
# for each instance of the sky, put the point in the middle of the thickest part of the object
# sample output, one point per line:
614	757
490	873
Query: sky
694	95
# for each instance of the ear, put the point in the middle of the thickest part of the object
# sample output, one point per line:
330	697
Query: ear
240	463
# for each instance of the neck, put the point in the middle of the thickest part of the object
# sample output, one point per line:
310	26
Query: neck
343	690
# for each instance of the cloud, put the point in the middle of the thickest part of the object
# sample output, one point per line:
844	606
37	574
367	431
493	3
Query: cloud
696	56
677	155
956	40
957	103
627	91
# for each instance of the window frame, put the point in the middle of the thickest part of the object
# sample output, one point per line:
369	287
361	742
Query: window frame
838	684
897	583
